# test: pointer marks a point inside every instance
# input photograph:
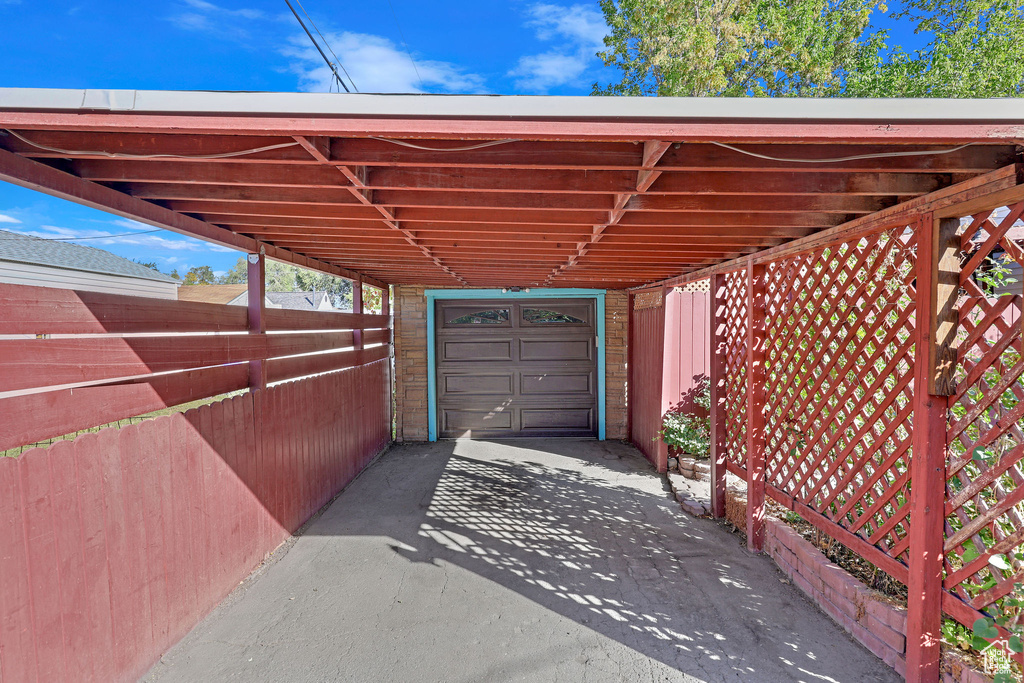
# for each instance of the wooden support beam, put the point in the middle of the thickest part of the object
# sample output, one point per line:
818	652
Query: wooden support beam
945	286
319	148
653	151
40	177
357	307
982	192
256	287
717	382
756	378
927	476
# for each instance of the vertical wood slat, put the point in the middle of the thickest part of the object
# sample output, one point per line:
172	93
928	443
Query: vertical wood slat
717	372
18	660
755	406
928	463
647	344
159	520
256	295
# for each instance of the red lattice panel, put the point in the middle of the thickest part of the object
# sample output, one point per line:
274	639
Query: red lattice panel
736	370
838	395
985	475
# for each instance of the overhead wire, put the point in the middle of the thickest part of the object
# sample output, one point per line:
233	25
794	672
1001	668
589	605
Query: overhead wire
328	44
855	157
327	60
405	44
406	143
76	239
125	155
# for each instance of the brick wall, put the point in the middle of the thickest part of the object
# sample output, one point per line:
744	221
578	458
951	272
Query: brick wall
411	363
616	330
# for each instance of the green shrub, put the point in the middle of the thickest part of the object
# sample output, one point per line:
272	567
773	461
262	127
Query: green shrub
688	432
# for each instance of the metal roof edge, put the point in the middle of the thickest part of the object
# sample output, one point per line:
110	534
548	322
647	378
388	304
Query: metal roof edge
507	106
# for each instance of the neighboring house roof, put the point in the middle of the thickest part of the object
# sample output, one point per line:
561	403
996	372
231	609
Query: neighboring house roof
301	301
20	248
211	294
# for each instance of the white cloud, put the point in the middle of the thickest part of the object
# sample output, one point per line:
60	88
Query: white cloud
4	218
102	238
375	64
581	30
208	17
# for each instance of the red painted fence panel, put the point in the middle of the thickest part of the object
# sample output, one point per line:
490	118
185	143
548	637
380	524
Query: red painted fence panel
115	544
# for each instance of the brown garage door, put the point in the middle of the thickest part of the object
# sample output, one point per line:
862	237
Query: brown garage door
511	368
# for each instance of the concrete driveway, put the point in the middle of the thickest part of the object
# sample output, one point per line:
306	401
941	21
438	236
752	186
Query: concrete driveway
528	561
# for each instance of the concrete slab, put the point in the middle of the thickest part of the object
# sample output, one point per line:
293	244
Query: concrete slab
528	561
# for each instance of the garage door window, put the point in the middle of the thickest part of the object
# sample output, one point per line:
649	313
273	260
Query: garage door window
494	316
549	317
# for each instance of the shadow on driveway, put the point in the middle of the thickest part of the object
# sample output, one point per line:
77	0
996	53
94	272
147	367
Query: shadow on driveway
530	560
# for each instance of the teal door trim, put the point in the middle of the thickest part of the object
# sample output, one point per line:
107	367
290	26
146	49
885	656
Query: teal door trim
435	294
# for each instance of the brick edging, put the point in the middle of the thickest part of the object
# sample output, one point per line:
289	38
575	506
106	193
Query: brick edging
861	611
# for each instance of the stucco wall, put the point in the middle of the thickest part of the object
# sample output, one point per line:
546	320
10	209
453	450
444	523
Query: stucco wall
411	362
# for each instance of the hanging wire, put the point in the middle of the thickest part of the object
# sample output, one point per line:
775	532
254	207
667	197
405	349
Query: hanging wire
122	155
405	143
856	157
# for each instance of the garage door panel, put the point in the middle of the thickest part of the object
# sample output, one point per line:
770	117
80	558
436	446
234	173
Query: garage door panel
556	418
516	368
478	385
547	383
542	350
477	351
462	420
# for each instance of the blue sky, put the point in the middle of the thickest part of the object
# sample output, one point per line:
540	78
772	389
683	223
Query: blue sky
511	47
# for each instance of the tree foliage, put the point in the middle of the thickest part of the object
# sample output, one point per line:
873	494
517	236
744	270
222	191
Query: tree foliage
200	275
812	48
284	277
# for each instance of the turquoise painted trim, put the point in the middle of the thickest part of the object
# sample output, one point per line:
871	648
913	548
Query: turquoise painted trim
435	294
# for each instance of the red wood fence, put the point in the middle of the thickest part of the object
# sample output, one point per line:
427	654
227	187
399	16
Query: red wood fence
669	361
115	544
836	402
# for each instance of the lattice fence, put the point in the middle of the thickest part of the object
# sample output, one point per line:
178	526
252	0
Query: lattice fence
736	370
839	369
985	473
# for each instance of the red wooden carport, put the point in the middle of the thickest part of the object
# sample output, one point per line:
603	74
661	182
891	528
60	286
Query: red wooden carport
779	202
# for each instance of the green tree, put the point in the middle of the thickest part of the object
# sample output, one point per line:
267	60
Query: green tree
284	277
811	48
200	275
237	275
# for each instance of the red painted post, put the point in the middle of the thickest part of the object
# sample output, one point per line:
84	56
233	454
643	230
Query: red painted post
257	290
357	307
927	473
755	405
717	372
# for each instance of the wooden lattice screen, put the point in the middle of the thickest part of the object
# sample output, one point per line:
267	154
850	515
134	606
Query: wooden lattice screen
828	366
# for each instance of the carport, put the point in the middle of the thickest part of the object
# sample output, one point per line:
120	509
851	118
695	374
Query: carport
557	267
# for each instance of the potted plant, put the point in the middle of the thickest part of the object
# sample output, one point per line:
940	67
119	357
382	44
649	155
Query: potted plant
689	433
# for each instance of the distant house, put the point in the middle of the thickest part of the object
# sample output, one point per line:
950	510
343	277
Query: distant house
237	295
27	260
302	301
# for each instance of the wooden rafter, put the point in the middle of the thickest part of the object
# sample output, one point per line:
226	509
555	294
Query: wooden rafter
320	149
653	152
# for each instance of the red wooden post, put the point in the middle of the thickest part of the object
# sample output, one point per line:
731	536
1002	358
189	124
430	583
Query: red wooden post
755	405
716	341
935	261
257	290
357	307
385	301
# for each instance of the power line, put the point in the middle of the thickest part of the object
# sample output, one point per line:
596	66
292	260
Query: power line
75	239
406	45
123	155
329	63
324	38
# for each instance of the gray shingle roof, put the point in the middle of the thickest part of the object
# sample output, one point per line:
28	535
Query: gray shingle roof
27	249
301	301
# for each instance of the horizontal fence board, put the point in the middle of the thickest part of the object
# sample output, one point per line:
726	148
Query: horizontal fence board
280	369
32	363
45	310
36	417
117	543
287	319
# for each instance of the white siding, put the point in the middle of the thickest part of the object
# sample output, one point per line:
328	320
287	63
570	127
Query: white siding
62	278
